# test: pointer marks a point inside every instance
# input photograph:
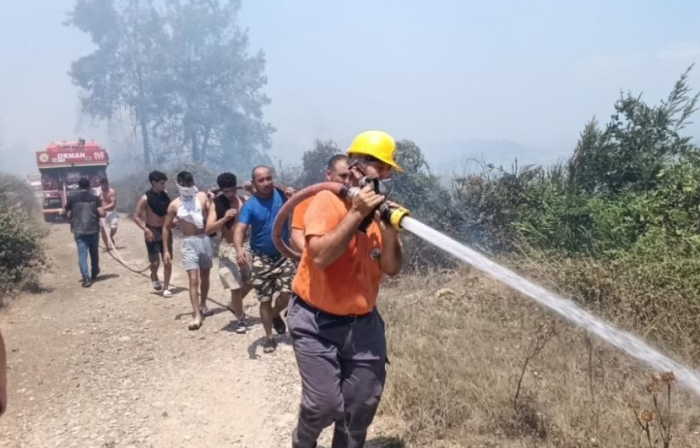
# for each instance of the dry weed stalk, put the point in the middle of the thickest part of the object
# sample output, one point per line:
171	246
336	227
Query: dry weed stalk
545	333
663	413
595	407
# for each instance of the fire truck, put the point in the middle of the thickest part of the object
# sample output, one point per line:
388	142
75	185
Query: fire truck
62	165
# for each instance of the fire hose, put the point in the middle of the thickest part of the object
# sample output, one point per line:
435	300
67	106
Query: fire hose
115	253
390	214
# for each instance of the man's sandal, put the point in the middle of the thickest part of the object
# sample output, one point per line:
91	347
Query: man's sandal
270	346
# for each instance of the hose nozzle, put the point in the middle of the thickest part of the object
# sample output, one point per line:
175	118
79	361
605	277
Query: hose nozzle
393	215
390	215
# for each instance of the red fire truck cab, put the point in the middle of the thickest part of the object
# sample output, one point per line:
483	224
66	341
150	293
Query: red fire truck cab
61	166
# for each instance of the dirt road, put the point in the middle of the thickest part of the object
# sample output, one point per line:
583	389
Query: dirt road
115	366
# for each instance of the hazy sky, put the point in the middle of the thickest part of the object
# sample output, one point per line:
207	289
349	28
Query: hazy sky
436	72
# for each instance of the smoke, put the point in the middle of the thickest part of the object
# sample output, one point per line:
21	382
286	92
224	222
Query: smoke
17	159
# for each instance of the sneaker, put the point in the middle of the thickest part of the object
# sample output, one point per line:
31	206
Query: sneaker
241	326
86	282
270	346
95	274
279	325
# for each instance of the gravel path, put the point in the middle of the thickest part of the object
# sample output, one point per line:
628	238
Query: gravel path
115	366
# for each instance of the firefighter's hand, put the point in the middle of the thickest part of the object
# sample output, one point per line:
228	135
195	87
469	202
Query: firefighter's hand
167	260
367	201
386	228
230	214
149	235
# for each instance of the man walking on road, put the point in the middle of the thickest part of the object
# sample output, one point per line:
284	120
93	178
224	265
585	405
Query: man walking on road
154	203
223	215
197	253
84	211
108	196
338	334
338	171
272	272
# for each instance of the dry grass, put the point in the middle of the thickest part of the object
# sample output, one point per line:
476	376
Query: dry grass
457	344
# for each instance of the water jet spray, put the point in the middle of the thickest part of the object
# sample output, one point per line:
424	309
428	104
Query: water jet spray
398	217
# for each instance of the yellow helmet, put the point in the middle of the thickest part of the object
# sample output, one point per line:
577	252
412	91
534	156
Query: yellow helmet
377	144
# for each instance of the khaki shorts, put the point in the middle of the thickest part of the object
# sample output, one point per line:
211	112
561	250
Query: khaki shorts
233	276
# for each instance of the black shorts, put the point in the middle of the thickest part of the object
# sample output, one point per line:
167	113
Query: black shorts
155	248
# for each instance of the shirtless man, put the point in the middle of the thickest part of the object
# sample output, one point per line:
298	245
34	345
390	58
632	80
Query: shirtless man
155	205
190	209
109	204
223	215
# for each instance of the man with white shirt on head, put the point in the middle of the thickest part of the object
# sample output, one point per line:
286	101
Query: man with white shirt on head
197	252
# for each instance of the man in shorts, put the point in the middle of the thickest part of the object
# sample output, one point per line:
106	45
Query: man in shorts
338	171
190	209
272	272
154	203
108	196
223	215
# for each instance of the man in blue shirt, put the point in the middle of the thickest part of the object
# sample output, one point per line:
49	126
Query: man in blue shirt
272	272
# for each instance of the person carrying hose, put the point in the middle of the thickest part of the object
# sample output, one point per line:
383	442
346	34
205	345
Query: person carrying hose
272	272
337	170
337	332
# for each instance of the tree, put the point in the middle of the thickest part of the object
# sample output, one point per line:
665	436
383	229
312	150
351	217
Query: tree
182	72
216	101
315	162
417	189
636	145
123	73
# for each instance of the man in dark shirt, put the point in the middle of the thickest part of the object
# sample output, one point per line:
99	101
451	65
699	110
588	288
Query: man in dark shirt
84	211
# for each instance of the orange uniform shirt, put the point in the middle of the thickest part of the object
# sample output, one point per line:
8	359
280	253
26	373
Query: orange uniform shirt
350	285
299	212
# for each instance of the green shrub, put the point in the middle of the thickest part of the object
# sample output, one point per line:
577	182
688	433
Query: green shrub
21	252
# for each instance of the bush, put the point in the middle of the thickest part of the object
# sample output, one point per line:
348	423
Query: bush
616	226
21	252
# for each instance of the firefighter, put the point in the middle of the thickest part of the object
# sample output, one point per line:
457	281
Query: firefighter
337	332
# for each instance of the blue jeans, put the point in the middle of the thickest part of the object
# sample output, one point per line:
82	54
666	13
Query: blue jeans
91	244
